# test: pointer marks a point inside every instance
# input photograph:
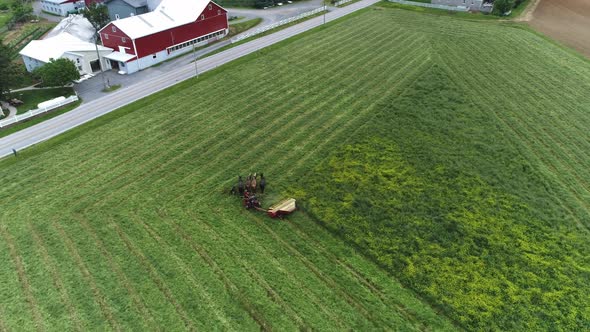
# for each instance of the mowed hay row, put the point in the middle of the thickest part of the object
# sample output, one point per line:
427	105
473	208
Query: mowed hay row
131	221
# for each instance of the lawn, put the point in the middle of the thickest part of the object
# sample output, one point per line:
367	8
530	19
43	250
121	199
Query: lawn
4	18
31	98
441	165
237	28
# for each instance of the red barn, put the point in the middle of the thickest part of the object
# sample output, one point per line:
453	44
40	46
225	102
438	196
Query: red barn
170	30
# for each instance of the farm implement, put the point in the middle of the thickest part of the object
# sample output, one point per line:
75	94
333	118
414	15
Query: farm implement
247	191
278	210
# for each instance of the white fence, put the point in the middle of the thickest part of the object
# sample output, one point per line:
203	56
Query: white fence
341	2
430	5
32	113
277	24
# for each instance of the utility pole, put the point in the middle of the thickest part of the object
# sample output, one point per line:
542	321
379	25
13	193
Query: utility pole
104	82
325	10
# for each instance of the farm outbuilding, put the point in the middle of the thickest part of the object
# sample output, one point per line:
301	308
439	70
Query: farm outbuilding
173	28
64	45
61	7
471	5
76	25
125	8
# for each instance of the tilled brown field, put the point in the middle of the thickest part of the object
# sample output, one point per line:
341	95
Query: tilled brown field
568	21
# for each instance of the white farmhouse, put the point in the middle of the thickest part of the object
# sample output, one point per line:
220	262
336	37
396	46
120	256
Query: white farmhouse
61	7
82	53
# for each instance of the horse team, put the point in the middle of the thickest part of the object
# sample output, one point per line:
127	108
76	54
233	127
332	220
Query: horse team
251	184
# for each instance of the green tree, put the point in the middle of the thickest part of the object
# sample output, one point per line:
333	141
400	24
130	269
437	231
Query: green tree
8	70
98	15
58	72
503	6
264	3
21	10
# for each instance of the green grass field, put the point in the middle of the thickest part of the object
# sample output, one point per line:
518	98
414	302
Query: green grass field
4	18
31	98
449	155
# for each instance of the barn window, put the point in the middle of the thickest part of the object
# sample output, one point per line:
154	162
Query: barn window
202	17
210	7
106	36
114	29
219	12
124	39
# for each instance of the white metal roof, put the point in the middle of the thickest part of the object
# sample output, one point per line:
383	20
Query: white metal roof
55	47
76	25
169	14
119	56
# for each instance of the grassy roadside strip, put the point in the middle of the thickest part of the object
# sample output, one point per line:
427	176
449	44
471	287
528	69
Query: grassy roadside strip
347	3
516	12
440	12
112	88
240	27
34	121
114	115
234	29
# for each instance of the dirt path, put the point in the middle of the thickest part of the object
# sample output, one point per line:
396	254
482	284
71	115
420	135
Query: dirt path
527	14
567	21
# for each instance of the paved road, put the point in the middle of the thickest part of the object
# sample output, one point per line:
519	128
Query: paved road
127	95
91	89
278	13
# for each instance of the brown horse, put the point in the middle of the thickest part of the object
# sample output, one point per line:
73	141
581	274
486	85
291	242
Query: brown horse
253	183
240	186
249	181
262	183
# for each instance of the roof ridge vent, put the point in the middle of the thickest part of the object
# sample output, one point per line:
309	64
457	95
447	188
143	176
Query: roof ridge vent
164	13
144	21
